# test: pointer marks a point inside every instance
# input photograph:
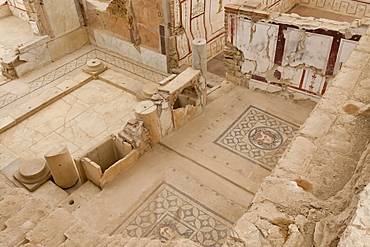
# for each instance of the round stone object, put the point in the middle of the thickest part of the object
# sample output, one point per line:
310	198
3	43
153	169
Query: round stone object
94	65
33	171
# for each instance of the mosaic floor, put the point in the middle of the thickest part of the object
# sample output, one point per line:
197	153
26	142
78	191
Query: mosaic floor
168	213
258	136
255	135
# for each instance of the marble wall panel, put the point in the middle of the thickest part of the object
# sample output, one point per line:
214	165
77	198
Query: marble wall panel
143	55
345	49
69	43
62	16
153	59
303	48
18	9
34	59
258	43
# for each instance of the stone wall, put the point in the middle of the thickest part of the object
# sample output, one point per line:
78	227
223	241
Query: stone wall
296	56
313	193
190	20
134	29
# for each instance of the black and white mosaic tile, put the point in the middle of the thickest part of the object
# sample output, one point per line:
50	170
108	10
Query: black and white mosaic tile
258	136
168	213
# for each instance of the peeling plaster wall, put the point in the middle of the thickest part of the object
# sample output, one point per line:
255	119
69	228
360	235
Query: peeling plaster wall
316	195
294	55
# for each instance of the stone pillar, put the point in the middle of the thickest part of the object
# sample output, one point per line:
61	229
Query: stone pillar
199	61
146	111
62	167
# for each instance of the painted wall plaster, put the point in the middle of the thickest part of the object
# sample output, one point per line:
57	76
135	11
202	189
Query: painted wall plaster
286	52
191	19
118	26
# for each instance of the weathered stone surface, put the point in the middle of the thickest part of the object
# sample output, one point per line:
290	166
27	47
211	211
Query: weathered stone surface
24	220
50	230
81	234
10	203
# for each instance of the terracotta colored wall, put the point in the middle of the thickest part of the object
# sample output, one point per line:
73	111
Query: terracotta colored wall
149	15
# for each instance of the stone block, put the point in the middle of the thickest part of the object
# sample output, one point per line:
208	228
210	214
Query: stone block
117	240
317	125
11	203
50	230
34	59
119	167
354	237
179	83
51	193
300	150
358	60
82	195
68	43
24	220
121	81
81	234
6	156
347	79
285	192
6	123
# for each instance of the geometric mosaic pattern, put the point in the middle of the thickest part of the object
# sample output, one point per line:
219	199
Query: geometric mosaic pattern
258	136
78	62
168	213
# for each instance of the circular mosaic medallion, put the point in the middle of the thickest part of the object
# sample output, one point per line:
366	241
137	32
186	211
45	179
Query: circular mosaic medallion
265	138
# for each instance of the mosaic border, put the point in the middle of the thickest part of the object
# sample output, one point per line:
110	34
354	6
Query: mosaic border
78	62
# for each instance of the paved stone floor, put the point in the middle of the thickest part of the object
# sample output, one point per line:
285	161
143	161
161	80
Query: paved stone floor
196	183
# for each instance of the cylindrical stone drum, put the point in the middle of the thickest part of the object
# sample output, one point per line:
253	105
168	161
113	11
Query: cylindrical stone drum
62	167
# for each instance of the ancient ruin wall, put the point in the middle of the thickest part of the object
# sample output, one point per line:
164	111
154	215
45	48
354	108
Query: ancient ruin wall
312	194
286	53
195	19
135	29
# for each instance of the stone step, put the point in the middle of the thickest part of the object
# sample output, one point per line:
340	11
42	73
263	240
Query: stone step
115	240
24	220
5	185
50	230
137	242
51	193
79	197
155	243
10	203
82	235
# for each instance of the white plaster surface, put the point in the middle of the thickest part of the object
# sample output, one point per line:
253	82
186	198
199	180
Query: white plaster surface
62	15
306	48
145	56
34	59
257	43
